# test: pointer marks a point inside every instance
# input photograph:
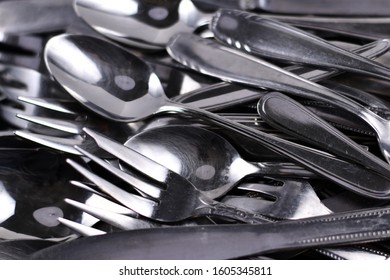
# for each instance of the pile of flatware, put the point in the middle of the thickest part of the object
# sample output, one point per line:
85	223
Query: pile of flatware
194	129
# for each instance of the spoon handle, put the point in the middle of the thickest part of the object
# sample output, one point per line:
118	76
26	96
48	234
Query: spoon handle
211	58
261	36
346	174
286	114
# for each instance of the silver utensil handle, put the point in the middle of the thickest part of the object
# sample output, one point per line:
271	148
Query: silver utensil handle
222	95
289	116
228	241
262	36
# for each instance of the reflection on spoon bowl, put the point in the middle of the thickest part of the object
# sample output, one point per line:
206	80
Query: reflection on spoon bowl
143	24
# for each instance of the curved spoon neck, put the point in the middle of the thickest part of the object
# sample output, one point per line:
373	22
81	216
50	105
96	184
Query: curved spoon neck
377	123
284	169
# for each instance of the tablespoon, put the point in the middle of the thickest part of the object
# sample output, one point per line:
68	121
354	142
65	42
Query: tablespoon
263	37
213	171
115	84
231	65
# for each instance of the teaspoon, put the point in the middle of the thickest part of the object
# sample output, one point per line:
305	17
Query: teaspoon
118	85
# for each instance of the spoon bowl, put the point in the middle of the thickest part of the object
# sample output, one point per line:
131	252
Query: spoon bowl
213	171
125	81
143	24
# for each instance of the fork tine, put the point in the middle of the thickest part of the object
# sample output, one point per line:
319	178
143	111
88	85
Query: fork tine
87	188
115	219
72	127
138	184
131	157
81	229
107	203
53	104
58	143
143	206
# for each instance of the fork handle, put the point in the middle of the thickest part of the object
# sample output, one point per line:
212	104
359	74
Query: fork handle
214	208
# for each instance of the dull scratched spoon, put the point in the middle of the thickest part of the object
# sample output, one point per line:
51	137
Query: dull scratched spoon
116	84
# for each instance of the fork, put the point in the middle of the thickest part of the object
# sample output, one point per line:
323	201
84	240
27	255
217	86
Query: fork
168	197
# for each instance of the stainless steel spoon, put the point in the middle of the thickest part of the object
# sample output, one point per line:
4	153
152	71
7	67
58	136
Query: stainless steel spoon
117	85
212	171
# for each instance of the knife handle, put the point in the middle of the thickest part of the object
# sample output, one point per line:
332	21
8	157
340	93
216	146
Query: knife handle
329	230
228	241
